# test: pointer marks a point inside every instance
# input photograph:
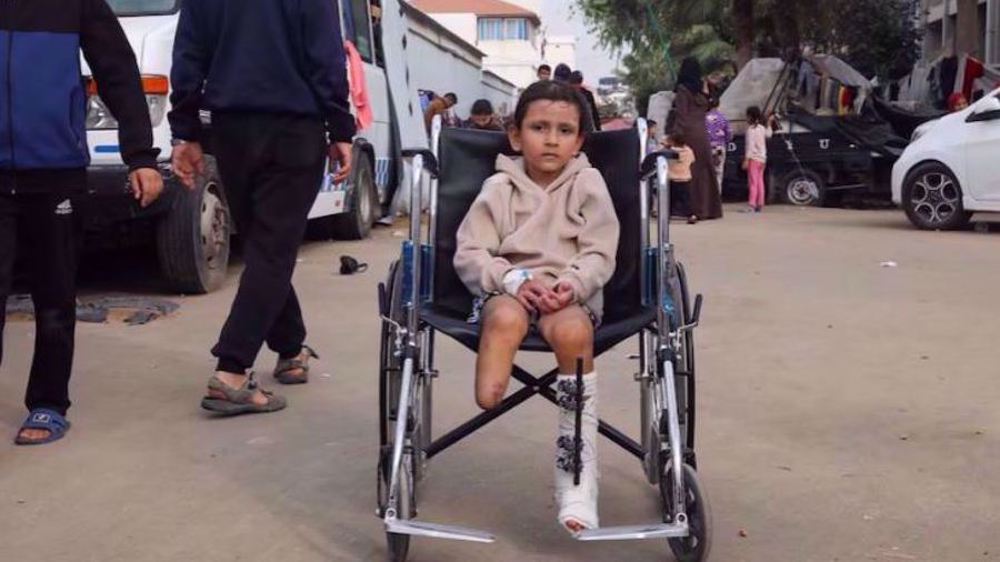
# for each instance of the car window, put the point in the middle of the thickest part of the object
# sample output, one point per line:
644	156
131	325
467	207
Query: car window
143	7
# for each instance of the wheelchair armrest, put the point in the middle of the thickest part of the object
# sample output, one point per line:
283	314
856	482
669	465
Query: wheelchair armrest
430	162
648	167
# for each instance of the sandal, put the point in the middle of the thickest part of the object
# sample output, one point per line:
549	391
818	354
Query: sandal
240	400
43	418
285	367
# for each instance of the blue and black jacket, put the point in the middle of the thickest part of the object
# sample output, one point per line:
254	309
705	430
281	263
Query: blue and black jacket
43	136
260	56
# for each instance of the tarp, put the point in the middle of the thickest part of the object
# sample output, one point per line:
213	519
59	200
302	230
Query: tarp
839	70
752	86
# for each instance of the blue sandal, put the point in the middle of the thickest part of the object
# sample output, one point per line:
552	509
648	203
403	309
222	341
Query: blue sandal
43	418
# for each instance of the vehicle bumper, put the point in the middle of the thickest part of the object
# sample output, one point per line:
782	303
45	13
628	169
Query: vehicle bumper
109	198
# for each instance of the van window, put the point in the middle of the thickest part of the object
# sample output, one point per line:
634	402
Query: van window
357	26
143	7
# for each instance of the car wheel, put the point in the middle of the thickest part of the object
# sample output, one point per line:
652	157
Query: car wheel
803	188
932	199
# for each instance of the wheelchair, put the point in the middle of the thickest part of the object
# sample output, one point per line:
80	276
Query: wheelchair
647	297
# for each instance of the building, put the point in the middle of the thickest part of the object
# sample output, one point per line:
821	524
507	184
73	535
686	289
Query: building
507	33
433	47
559	49
945	32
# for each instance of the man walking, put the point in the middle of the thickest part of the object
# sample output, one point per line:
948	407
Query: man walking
272	73
43	161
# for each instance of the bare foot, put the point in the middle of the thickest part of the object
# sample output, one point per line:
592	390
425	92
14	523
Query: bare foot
34	435
236	380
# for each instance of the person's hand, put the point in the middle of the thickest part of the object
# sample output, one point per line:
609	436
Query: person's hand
147	184
565	294
188	162
340	152
536	297
746	165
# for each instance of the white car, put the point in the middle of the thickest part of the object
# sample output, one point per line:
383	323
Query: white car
951	169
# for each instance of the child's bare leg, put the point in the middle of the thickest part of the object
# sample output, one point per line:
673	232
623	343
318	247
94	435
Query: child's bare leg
505	324
570	333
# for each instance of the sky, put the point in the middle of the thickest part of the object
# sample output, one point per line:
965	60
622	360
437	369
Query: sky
560	19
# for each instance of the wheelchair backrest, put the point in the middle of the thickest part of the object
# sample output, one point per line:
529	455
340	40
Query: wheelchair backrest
468	157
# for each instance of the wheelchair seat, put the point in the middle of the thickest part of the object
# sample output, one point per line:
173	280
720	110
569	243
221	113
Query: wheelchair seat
466	158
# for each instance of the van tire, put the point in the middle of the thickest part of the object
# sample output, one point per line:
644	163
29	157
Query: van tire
193	238
363	204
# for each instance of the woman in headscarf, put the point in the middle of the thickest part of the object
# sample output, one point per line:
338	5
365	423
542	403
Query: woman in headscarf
691	104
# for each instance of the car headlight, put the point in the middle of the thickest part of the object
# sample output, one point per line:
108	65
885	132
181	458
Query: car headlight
99	117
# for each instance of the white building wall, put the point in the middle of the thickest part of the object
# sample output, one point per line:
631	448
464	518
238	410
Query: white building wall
561	50
439	65
514	61
502	94
463	25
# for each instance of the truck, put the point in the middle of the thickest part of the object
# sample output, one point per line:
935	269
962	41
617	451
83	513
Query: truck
829	144
192	229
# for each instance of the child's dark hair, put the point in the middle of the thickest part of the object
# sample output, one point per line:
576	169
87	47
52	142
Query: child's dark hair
552	91
754	116
677	139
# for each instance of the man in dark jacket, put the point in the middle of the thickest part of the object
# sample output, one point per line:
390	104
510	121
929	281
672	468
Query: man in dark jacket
43	161
273	75
576	80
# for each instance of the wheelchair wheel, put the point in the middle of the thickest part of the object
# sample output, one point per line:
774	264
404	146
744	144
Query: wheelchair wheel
686	365
695	547
390	361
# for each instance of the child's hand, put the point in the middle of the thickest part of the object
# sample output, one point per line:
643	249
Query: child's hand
536	297
565	295
746	164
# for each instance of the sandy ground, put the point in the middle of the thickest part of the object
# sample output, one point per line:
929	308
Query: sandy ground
848	412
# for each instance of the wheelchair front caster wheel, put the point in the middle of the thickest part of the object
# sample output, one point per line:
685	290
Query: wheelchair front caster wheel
399	546
694	547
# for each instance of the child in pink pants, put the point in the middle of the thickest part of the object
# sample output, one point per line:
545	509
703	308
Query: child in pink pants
755	159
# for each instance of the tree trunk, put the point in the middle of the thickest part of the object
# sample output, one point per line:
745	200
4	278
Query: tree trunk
743	24
789	34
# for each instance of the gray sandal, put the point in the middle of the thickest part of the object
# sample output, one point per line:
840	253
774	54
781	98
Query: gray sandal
285	367
240	400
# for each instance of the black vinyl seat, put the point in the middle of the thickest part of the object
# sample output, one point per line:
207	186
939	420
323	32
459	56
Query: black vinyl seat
466	158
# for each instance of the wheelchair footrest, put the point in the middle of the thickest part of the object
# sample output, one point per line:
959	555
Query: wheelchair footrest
635	532
435	531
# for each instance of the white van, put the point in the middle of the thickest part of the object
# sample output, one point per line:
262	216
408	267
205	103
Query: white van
192	229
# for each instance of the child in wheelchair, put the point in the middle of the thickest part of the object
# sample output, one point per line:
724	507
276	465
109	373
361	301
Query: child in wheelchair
536	248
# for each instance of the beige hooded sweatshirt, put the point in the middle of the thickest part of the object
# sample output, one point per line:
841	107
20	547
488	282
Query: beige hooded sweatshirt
567	231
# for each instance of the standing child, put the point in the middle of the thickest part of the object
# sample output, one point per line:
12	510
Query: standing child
719	136
755	160
536	248
680	178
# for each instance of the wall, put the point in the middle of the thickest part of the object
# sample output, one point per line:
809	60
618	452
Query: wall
562	50
431	52
463	25
514	61
501	93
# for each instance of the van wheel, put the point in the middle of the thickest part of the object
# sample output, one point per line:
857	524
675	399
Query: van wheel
803	188
363	203
192	239
932	199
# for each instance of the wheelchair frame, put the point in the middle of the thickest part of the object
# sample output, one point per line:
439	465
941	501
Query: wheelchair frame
666	377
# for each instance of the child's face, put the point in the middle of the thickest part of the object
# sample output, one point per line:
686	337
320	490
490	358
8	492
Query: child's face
548	138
